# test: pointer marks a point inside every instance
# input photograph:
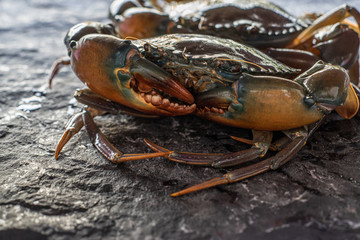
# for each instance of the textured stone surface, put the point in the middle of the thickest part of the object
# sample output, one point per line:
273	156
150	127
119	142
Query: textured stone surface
82	195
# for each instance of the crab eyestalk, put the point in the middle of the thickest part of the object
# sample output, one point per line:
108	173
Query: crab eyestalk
113	68
85	28
74	34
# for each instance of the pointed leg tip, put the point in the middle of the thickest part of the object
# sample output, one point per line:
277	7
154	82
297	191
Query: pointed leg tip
155	147
176	194
58	150
150	143
208	184
243	140
64	139
180	193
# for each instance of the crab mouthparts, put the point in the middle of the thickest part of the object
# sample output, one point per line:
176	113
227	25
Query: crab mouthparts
167	104
159	88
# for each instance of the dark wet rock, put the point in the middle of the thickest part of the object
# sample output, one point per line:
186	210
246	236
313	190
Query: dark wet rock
82	195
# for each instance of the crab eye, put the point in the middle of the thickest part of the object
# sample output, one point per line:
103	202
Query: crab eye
72	44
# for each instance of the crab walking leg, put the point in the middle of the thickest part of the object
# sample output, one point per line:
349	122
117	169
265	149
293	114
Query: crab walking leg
72	127
96	106
272	163
85	117
58	64
352	25
261	139
334	16
275	146
106	148
95	101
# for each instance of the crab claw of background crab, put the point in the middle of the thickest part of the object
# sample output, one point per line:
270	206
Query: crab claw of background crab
133	20
113	68
338	45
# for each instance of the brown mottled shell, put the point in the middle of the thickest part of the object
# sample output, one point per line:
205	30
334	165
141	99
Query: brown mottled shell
194	58
258	23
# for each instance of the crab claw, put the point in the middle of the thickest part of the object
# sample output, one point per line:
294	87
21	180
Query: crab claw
327	85
338	44
113	68
350	106
148	74
252	100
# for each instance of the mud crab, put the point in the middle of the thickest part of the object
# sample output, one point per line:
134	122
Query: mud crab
214	78
329	37
260	24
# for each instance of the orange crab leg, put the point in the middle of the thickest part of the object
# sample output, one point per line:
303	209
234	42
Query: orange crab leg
272	163
332	17
107	149
58	64
262	141
99	140
275	146
234	176
98	106
73	126
352	25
